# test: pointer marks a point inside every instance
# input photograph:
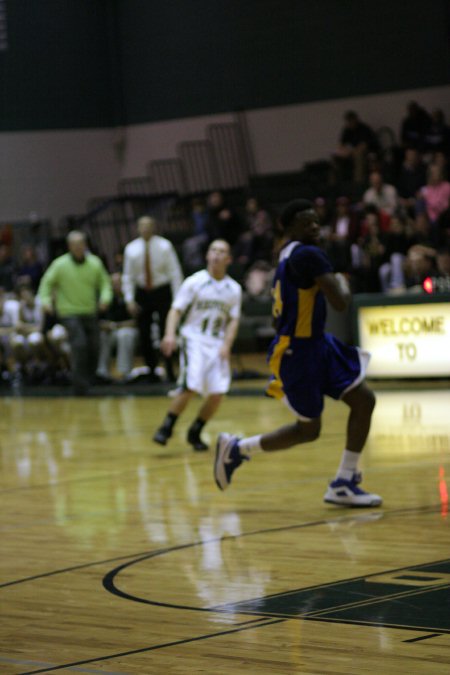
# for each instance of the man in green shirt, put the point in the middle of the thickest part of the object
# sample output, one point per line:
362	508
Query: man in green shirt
76	286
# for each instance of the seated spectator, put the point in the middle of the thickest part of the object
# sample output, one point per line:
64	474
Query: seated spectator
367	253
414	127
357	140
199	216
343	232
381	194
443	262
9	319
204	220
256	242
324	218
226	225
117	265
443	231
420	263
412	176
28	345
57	339
442	160
437	136
435	196
118	332
7	268
258	280
396	243
29	269
419	230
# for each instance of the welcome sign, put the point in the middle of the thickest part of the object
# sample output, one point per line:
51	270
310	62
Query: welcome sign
411	340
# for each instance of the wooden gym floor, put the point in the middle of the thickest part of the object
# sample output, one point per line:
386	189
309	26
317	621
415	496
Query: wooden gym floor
120	556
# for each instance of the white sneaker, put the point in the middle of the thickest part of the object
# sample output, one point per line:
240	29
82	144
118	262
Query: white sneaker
347	493
228	458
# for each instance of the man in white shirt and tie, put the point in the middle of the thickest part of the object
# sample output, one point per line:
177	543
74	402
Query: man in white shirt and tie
151	277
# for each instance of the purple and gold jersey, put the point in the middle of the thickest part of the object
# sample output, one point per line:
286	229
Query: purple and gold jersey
299	305
306	363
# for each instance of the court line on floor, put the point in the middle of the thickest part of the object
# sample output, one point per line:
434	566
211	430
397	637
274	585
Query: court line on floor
164	645
27	662
135	557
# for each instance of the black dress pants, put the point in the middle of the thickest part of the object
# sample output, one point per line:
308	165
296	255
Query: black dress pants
155	301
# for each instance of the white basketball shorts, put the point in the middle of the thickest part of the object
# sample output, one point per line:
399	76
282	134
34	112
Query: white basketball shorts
201	368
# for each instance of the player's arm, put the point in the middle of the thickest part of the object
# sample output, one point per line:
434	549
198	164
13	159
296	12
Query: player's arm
169	341
229	338
336	289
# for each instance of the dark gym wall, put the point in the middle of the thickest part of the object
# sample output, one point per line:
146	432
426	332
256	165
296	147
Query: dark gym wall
207	56
97	63
57	71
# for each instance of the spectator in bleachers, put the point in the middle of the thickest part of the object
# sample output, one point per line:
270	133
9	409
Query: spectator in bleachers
343	232
117	265
443	261
225	224
151	277
420	263
323	215
443	234
57	340
193	248
199	216
381	194
414	127
419	231
7	268
367	253
412	176
437	135
442	160
9	319
357	140
28	344
256	242
29	269
77	285
396	244
118	333
435	196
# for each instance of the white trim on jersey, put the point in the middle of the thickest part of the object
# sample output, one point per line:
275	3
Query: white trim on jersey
287	250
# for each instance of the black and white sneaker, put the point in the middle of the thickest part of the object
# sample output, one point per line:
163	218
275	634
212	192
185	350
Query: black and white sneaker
196	442
162	435
228	458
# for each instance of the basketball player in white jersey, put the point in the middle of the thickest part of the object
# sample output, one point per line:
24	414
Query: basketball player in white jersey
207	308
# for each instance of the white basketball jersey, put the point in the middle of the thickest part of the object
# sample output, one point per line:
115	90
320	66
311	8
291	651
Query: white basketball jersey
207	305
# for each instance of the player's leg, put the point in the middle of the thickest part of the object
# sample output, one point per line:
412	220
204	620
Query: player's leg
231	451
361	402
178	405
207	410
211	375
344	490
302	395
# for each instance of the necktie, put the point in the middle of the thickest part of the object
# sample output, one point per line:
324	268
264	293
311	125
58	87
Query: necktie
148	267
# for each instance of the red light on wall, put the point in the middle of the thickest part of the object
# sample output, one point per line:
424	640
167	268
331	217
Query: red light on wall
428	285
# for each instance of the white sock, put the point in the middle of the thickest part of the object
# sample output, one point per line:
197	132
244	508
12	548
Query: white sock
348	465
248	446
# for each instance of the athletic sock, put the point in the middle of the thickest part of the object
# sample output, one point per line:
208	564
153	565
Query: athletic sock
348	465
248	446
